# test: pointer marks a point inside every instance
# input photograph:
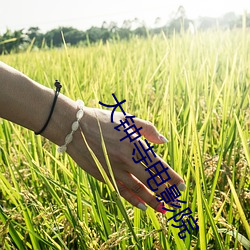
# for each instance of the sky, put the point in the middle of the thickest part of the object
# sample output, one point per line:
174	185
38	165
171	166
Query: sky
81	14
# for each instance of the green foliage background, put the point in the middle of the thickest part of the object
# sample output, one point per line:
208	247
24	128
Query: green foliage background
194	88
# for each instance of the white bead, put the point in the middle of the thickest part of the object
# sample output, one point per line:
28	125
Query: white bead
80	103
69	138
75	126
62	149
79	114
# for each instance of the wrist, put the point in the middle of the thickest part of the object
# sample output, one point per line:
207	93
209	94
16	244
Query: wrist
61	121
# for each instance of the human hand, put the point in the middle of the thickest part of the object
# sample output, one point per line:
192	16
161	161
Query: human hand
131	177
27	103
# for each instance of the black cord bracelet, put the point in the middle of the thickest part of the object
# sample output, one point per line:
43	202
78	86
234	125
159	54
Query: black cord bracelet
58	87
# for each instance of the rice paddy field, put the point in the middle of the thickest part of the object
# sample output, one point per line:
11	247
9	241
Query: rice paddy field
196	91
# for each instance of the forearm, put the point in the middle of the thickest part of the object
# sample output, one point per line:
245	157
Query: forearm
27	103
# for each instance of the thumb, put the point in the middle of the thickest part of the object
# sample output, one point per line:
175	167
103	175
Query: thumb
149	131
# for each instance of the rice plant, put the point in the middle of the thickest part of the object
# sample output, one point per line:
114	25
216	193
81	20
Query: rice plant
194	88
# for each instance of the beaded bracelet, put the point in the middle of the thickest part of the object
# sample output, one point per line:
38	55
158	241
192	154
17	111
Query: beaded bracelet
74	127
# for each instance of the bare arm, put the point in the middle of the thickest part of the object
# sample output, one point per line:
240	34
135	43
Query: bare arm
28	103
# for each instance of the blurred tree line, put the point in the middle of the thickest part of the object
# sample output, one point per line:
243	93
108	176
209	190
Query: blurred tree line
21	40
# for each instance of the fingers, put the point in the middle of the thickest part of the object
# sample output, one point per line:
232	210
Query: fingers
149	131
156	168
157	177
154	177
136	193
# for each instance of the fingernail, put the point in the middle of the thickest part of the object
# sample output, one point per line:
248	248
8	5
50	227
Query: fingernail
142	206
176	203
181	186
163	138
160	209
